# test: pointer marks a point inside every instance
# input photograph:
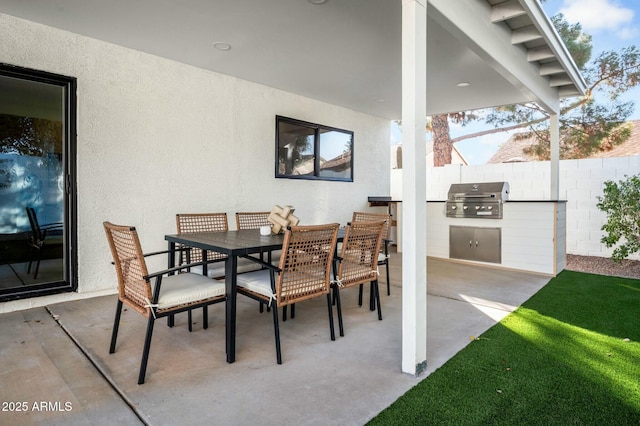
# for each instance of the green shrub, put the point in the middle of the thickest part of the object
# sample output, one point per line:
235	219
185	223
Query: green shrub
621	203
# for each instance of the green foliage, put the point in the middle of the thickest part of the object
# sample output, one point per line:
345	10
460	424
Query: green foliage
587	126
621	203
578	43
29	136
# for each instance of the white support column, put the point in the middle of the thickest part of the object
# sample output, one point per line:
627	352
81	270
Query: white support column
554	129
414	202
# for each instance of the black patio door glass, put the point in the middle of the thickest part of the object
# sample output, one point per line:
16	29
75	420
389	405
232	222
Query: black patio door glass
35	181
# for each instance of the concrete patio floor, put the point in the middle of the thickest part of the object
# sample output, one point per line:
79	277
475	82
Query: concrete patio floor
45	378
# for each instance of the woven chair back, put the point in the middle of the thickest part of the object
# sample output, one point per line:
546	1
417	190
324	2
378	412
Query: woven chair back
130	266
305	263
252	220
374	217
359	256
202	222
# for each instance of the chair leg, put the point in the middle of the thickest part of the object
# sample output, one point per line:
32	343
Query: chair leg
205	317
293	312
145	351
189	326
261	307
360	295
377	292
336	300
30	261
329	307
386	266
276	330
171	320
372	298
116	325
35	274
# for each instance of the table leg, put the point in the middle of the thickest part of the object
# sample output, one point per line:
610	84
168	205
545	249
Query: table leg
230	276
172	255
205	272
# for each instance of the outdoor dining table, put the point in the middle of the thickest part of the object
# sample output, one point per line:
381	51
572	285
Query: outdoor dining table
234	244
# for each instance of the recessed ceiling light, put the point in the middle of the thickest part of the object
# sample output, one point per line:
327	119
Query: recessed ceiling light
222	46
463	84
317	1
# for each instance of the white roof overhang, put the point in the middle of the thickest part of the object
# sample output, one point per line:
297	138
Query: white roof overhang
347	53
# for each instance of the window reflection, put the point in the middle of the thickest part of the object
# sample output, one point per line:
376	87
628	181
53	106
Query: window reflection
295	149
313	151
335	154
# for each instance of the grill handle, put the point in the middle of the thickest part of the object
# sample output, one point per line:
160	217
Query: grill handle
461	195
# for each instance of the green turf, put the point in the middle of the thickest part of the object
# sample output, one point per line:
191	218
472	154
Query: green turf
570	355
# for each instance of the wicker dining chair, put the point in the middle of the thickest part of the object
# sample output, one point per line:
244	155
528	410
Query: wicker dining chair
171	293
201	222
383	255
252	220
255	220
357	263
304	272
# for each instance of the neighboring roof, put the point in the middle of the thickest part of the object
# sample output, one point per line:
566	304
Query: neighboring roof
630	147
513	149
338	163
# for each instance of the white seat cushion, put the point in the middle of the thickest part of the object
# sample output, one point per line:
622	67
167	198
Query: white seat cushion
258	282
246	265
214	270
185	288
382	257
217	270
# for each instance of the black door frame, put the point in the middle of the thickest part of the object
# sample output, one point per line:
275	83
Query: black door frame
70	279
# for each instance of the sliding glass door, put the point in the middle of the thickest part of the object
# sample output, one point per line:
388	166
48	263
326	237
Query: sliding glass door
37	183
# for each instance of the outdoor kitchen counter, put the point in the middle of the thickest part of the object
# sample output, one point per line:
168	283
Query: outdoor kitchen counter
533	234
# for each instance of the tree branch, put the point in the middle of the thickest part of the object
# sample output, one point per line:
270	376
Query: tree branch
496	130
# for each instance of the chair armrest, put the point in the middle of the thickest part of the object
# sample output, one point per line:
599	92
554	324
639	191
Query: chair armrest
174	269
154	253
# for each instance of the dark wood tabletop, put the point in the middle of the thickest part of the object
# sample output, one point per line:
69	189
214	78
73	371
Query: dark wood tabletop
235	243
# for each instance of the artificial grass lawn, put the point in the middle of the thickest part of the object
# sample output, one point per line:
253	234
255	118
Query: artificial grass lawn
569	355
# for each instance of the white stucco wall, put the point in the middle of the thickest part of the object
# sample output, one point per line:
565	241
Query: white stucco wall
581	182
157	137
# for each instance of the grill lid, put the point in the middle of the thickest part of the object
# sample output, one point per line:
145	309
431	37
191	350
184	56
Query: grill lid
481	191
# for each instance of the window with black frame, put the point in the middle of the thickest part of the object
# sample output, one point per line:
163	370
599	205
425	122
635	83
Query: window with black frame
313	151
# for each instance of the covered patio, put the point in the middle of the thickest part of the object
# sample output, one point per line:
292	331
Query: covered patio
348	381
191	89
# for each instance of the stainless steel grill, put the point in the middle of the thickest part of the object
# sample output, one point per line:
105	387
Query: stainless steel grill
477	200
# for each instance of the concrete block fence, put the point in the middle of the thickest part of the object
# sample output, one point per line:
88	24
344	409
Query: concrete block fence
581	182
